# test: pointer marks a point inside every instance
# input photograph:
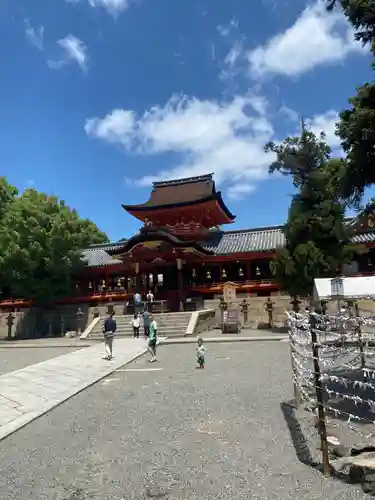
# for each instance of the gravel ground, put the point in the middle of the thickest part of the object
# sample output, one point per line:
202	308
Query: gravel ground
174	434
12	359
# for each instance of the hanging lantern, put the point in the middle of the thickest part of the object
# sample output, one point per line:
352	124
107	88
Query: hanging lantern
257	271
194	273
208	275
240	272
223	273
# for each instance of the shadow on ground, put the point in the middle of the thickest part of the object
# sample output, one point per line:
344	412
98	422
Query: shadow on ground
302	448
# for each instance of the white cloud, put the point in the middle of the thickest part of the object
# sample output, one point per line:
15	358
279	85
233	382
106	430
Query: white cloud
240	191
114	7
289	113
317	37
117	127
326	123
234	54
225	138
74	51
34	35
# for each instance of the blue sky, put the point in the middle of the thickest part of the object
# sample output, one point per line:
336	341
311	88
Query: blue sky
101	97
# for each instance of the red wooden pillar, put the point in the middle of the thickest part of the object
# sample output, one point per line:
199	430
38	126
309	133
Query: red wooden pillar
248	271
137	278
180	284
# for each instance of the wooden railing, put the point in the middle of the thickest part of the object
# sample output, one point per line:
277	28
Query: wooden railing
124	295
240	286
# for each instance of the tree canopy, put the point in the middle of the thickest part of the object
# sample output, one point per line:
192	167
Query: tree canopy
41	240
316	233
356	127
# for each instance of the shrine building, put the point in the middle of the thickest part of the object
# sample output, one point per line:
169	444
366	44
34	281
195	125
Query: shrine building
184	252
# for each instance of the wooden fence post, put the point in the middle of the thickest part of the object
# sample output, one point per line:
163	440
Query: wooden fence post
319	397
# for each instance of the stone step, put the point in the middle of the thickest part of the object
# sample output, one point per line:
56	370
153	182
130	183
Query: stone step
130	329
169	324
99	336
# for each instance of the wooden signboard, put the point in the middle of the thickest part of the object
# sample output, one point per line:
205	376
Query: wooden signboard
232	322
229	292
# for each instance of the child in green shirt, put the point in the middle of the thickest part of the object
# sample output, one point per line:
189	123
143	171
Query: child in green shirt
152	339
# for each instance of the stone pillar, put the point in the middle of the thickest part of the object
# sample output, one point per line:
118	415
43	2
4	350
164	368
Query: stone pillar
180	284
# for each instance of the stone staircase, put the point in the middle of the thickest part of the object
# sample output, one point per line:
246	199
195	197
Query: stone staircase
169	325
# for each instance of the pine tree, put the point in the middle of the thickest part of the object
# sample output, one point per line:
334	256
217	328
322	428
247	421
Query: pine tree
356	127
316	234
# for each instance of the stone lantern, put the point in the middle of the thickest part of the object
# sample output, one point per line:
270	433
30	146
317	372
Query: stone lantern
79	317
295	304
245	311
62	326
269	308
10	322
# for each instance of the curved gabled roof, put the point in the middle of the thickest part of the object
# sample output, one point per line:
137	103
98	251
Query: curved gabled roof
157	234
170	206
181	193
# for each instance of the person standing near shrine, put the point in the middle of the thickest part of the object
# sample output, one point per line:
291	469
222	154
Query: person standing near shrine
146	323
152	339
136	323
109	329
137	301
150	299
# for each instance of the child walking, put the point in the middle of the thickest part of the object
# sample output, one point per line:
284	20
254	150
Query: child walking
200	354
152	339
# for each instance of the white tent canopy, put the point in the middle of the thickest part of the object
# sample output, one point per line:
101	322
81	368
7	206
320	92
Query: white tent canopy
353	287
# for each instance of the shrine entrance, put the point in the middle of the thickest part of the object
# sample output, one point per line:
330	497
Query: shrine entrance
158	259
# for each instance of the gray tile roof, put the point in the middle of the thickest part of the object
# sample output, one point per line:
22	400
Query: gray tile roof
96	255
250	240
221	243
363	238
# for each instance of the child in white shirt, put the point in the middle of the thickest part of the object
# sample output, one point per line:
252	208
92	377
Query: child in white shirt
200	354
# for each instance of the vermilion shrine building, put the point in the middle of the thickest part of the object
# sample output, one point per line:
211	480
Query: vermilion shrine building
182	251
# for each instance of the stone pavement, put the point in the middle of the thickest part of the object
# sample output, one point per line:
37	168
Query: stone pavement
47	342
28	393
221	338
172	432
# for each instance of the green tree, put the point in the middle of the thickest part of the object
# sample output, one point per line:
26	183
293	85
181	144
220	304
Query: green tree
316	233
356	127
41	240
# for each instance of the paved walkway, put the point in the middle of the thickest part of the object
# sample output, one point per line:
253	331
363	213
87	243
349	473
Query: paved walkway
30	392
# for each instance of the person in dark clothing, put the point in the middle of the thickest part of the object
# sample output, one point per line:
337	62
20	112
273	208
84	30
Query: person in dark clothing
146	323
109	329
